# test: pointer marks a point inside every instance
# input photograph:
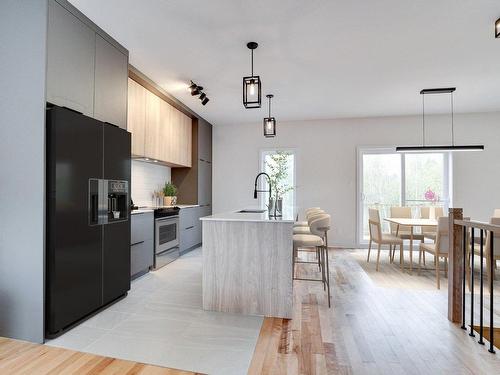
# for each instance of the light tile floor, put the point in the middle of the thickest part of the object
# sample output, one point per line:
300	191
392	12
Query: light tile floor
162	322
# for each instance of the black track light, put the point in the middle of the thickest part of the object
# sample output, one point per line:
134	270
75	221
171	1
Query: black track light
192	87
205	101
196	90
203	96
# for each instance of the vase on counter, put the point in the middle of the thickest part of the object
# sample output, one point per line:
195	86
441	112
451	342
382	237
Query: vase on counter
279	208
169	201
270	207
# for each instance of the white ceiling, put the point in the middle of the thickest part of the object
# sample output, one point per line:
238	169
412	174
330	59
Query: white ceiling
320	58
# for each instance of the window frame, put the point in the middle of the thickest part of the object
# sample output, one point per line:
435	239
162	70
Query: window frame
263	182
363	150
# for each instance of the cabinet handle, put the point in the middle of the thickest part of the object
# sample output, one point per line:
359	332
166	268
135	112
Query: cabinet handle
137	243
192	226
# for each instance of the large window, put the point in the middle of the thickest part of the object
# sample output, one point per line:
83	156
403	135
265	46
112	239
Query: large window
386	179
280	165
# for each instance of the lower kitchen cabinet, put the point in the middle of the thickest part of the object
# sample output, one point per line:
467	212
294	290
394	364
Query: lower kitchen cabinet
190	226
141	243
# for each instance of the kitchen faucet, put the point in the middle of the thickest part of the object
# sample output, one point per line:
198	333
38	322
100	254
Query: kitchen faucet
255	191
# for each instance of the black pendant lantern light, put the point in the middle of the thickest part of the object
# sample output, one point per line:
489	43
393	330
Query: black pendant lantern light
252	86
269	122
452	147
497	28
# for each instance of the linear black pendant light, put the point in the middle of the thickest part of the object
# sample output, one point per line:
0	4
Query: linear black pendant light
252	86
449	148
269	122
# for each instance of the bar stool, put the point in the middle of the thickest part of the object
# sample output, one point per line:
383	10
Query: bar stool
318	239
307	213
304	229
311	216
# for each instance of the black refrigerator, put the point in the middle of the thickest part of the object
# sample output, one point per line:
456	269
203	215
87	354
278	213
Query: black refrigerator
88	217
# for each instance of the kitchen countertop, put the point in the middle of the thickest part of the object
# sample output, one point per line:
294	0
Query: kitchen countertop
141	211
181	206
249	216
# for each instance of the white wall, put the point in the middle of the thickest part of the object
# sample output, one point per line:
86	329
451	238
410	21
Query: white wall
326	162
146	178
23	25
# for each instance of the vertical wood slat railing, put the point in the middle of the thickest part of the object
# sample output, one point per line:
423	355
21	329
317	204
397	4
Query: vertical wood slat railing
459	230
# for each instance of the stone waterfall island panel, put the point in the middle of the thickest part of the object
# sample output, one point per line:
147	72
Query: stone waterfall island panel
247	264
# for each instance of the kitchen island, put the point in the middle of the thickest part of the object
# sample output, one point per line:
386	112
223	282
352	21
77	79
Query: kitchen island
247	264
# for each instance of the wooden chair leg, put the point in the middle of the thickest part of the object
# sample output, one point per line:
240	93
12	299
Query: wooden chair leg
369	248
378	255
445	267
424	257
436	261
293	262
401	260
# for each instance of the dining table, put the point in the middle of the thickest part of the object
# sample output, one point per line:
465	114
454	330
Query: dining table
412	224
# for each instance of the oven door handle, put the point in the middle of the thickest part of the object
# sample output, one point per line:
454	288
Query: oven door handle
166	218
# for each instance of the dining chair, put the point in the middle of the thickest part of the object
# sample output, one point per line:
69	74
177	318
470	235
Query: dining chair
401	231
439	249
380	238
430	213
318	238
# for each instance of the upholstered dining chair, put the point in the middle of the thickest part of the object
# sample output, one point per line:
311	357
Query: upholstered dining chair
440	249
380	238
403	232
430	213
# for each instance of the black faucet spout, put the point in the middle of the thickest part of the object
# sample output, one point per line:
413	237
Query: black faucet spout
255	191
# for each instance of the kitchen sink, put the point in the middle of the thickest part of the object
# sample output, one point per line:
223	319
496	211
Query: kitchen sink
252	211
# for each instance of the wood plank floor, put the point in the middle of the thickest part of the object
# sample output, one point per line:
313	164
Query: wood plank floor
385	322
20	357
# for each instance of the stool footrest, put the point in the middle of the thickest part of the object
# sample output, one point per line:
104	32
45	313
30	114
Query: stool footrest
302	279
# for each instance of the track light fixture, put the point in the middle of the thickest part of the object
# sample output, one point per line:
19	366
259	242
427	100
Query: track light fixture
198	90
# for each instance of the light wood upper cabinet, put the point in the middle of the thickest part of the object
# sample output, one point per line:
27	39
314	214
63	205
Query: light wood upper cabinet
136	118
166	132
152	131
187	136
159	131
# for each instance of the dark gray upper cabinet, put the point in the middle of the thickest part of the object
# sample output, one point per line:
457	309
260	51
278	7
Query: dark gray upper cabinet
87	70
70	61
204	140
111	83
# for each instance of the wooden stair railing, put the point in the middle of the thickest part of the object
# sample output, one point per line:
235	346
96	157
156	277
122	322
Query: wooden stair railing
461	232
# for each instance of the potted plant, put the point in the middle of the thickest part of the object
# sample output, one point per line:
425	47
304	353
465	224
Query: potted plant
278	173
169	192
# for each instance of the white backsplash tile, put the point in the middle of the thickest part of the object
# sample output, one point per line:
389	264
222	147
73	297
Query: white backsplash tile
146	178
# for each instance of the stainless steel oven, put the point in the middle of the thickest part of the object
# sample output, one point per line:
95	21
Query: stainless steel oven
166	237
